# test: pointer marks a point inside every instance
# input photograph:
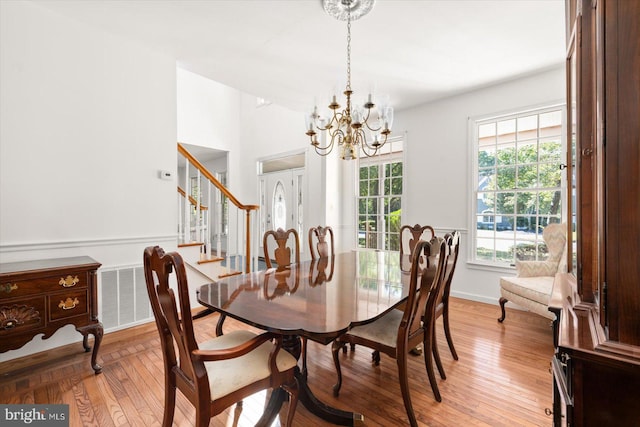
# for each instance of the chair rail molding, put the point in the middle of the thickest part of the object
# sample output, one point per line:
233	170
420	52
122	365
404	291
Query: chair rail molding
65	244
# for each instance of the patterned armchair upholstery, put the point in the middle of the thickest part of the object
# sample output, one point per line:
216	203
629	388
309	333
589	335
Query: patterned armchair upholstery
531	287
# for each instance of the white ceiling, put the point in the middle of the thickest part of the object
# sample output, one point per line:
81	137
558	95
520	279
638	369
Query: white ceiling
291	52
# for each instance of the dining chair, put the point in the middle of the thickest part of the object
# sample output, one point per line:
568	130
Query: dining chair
322	247
397	332
324	250
409	237
281	253
217	373
442	302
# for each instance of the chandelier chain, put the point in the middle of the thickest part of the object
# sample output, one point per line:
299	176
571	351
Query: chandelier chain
349	48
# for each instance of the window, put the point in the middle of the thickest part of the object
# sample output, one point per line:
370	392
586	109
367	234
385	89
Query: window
517	183
379	198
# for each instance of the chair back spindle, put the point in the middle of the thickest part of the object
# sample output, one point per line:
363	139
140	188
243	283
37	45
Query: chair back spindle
409	238
322	247
282	254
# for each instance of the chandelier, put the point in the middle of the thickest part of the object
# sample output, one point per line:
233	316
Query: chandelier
366	125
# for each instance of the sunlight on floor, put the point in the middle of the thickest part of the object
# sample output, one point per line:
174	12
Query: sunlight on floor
248	412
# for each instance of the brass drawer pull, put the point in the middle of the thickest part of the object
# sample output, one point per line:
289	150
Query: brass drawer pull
69	304
8	287
14	316
69	282
10	324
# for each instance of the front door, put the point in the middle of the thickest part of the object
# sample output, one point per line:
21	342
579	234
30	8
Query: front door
281	201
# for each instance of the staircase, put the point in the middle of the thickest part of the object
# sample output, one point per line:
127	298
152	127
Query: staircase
217	234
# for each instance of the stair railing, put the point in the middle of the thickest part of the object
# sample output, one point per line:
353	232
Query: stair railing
211	215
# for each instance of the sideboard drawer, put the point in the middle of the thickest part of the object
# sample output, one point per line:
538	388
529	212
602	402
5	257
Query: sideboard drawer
67	280
23	316
67	304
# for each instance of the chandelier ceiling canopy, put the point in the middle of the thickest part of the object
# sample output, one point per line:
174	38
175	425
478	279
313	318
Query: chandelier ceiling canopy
367	125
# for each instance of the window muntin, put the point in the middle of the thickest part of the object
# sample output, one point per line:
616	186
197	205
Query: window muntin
518	189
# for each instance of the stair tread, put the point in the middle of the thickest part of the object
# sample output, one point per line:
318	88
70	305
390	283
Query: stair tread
184	245
212	259
229	274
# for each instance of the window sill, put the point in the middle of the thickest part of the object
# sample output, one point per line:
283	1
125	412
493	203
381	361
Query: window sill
486	266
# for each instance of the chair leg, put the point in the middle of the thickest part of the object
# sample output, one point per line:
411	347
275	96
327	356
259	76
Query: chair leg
429	365
502	301
404	387
335	348
375	357
436	354
304	357
219	324
169	402
292	389
447	331
416	351
237	412
203	417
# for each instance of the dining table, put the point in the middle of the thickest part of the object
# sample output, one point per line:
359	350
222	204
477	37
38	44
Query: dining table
316	299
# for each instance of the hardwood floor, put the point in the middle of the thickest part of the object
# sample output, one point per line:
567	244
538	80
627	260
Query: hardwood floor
501	378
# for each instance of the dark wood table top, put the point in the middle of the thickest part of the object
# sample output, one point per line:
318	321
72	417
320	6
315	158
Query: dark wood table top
317	299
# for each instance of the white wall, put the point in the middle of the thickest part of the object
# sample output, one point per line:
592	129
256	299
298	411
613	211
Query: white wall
86	122
437	166
208	112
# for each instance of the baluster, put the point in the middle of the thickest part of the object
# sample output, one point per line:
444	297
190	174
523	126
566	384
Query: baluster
208	217
239	245
198	215
180	214
187	216
219	229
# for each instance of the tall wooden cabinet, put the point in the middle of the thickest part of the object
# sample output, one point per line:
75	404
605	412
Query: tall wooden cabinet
596	367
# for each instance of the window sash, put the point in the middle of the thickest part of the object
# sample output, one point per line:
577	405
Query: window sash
518	187
379	197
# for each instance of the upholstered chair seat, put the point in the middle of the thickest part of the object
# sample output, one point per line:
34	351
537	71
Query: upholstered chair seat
383	331
531	287
227	376
536	289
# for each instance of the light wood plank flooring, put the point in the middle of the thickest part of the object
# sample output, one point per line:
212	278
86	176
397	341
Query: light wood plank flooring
501	379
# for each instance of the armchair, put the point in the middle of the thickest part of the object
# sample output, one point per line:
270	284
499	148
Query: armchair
217	373
531	287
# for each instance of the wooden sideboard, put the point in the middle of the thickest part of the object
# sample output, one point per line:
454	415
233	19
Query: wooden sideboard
39	297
